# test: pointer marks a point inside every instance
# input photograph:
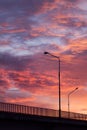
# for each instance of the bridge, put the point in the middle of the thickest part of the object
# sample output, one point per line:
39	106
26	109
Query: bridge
25	117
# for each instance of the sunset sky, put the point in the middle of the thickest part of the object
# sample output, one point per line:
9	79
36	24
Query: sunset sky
28	28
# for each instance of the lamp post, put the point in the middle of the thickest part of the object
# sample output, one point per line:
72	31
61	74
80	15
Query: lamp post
59	88
69	101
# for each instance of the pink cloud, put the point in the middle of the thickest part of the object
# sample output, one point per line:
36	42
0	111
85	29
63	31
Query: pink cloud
13	31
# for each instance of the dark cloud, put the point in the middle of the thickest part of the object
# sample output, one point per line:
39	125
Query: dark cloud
72	1
31	5
16	17
10	62
3	83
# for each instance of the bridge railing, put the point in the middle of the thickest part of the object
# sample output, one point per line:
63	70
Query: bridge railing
8	107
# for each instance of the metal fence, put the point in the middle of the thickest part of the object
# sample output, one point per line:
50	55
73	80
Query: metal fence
8	107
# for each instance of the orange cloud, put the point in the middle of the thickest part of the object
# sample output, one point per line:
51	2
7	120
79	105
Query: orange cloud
13	31
78	45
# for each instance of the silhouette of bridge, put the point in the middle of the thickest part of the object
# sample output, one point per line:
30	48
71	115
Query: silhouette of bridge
14	116
30	110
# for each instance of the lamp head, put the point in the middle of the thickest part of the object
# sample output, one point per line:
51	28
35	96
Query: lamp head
45	52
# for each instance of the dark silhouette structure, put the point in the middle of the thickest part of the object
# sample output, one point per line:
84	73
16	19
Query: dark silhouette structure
59	88
20	117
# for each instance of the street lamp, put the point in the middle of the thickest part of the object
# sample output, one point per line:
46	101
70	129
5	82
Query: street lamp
58	58
69	101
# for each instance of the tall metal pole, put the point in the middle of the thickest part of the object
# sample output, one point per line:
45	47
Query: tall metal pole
69	101
59	92
59	88
68	107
